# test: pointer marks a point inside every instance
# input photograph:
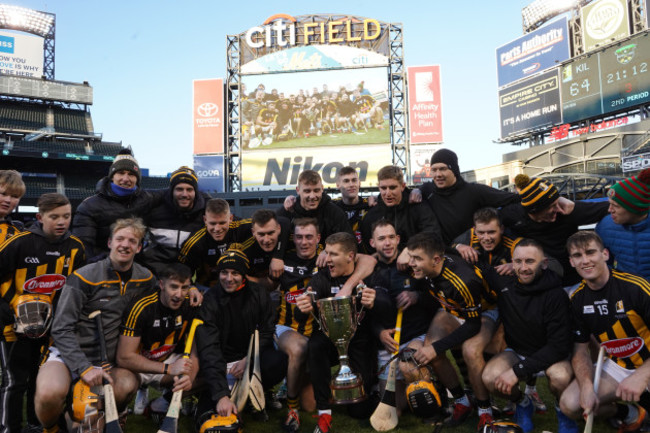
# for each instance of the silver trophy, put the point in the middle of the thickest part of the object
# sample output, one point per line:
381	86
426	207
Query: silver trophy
338	320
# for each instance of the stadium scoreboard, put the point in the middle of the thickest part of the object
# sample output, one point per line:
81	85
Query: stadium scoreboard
611	80
12	85
590	86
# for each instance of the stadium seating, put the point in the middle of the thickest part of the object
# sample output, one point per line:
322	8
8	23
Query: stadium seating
37	185
71	121
155	182
22	116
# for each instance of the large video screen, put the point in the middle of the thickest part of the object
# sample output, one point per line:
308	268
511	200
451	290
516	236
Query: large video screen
530	104
612	80
314	109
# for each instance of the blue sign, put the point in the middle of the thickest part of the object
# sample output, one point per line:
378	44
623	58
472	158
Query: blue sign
534	52
210	170
7	44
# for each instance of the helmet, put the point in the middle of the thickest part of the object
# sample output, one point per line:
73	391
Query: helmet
83	401
211	422
33	315
426	400
502	427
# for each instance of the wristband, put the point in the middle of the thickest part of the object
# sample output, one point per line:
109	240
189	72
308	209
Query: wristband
166	369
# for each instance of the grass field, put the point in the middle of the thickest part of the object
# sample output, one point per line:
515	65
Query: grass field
342	423
335	139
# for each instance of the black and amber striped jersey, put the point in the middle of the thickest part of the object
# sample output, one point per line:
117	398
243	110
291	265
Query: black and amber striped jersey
500	255
8	228
159	328
30	263
461	289
267	115
355	213
293	283
364	103
201	252
618	316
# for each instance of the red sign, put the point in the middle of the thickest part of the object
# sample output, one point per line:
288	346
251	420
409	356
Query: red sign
623	347
160	352
290	297
208	116
44	284
425	109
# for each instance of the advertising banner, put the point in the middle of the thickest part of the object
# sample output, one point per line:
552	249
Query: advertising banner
282	31
279	168
603	22
208	116
533	52
314	109
420	158
210	170
635	162
533	103
425	104
315	57
21	54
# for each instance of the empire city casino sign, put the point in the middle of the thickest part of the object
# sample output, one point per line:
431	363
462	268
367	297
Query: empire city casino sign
282	30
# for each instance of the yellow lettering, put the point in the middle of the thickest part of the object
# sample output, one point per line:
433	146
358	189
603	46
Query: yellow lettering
348	28
366	30
332	31
309	31
322	32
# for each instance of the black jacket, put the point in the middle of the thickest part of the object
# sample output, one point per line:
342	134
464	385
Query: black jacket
408	219
553	236
454	207
536	319
169	227
331	219
94	215
220	323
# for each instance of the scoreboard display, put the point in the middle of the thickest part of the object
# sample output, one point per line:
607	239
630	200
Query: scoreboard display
12	85
611	80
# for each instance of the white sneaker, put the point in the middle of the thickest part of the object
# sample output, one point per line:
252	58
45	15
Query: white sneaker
141	401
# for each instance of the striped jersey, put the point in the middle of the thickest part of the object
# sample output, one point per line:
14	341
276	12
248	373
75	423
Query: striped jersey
160	328
294	281
30	263
617	316
461	289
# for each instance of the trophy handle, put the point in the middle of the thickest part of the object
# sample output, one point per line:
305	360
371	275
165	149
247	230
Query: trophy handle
360	288
313	299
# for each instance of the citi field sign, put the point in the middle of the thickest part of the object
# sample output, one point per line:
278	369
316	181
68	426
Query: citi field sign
282	30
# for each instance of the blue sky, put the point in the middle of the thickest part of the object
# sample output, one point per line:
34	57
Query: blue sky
141	57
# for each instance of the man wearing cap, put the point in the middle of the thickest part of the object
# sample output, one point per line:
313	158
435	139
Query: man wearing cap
453	200
179	214
119	195
231	312
549	219
626	230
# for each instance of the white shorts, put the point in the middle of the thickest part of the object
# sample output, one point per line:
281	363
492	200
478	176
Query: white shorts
53	354
383	356
618	373
281	329
153	379
229	377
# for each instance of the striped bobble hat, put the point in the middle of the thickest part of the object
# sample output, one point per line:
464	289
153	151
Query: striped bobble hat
233	259
536	194
633	193
184	175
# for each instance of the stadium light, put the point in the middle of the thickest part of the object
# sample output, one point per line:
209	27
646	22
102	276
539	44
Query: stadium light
540	11
28	20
